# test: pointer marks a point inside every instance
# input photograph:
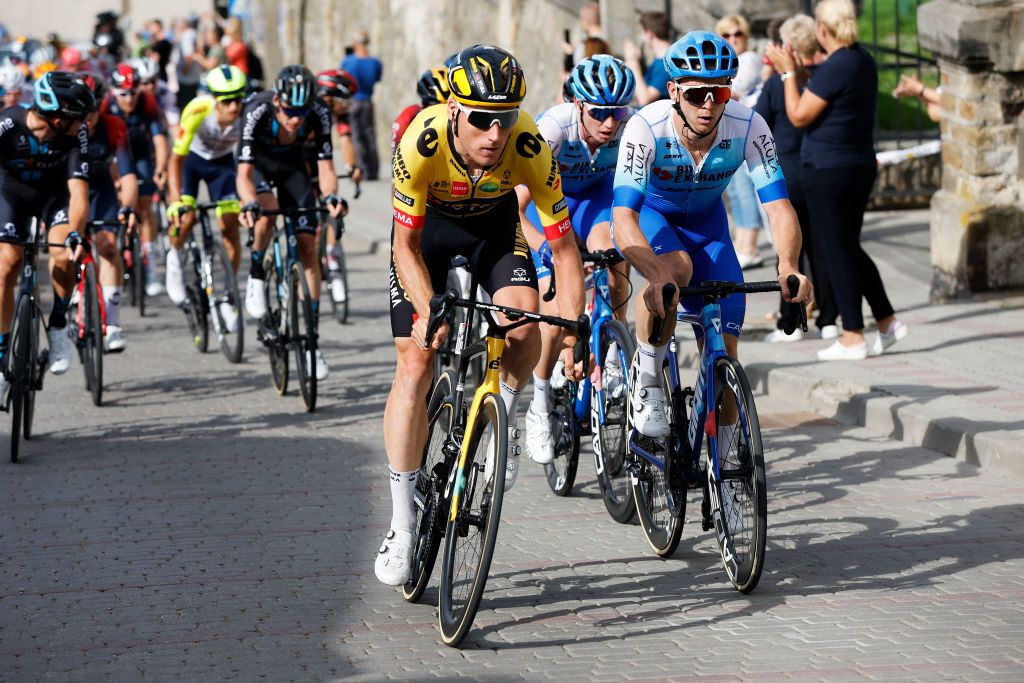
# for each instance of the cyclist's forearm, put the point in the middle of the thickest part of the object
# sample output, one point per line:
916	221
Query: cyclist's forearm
348	150
569	275
175	171
785	233
78	204
630	240
244	184
328	178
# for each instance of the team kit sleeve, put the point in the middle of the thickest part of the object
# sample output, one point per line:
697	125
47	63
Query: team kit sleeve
412	173
633	170
544	181
763	162
78	155
551	131
191	118
322	131
251	118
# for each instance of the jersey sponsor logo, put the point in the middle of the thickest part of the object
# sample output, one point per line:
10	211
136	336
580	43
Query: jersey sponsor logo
553	232
559	206
529	145
552	173
489	186
8	230
440	185
725	144
401	171
405	199
662	173
765	146
6	125
519	275
637	158
426	144
409	221
459	188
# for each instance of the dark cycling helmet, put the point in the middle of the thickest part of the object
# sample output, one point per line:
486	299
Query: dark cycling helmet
701	54
97	86
125	77
487	77
567	94
603	80
432	87
62	94
296	86
336	83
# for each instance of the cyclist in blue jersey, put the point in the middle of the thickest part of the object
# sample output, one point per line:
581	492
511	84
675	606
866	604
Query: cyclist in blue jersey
675	159
584	138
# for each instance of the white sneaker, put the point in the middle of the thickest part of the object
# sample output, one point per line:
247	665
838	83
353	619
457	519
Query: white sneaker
511	460
394	558
750	260
60	350
780	336
839	352
829	332
229	314
540	445
647	411
255	298
154	288
321	365
174	278
113	340
884	340
337	287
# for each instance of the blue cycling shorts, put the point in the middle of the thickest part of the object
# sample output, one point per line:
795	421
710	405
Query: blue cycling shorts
218	174
710	248
587	209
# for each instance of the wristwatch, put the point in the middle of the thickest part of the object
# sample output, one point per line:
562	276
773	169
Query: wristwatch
787	75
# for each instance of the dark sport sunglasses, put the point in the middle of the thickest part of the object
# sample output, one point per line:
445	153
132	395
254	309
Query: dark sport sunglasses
482	119
603	113
295	112
697	95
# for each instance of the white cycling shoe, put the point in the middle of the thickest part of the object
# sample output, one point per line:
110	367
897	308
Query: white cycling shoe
174	279
229	314
511	461
255	298
113	340
647	411
319	363
336	285
60	350
540	444
394	558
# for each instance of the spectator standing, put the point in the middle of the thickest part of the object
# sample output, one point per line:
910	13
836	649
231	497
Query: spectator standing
652	83
838	162
798	33
212	54
367	71
187	68
236	51
590	27
159	47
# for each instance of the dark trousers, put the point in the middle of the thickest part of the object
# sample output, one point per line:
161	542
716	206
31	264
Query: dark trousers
364	138
812	262
837	198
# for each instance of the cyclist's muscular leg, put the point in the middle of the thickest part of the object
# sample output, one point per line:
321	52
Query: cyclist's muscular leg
10	269
111	266
310	262
62	270
679	264
522	349
264	228
600	239
144	208
405	414
549	337
230	236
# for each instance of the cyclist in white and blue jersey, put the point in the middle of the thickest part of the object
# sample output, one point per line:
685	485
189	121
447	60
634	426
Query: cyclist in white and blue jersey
584	138
676	157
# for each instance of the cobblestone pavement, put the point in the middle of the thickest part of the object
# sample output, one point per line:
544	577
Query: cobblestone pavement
199	527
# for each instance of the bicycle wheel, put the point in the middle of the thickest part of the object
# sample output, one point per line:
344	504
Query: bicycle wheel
430	487
611	438
739	495
472	528
36	368
92	324
277	346
196	314
302	332
654	503
138	275
341	308
561	472
18	372
224	304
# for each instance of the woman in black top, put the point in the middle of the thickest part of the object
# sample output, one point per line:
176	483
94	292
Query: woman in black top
838	162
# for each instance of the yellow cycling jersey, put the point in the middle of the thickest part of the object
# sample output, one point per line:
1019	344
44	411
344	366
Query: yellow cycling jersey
428	172
200	133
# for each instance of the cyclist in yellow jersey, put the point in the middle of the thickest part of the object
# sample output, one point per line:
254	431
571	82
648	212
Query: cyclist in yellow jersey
456	169
203	150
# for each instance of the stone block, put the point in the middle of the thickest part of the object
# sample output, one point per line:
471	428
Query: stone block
978	35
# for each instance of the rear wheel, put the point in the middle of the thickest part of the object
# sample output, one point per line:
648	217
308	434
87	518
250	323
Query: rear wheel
340	282
303	334
36	368
472	529
225	304
137	271
18	372
561	472
611	437
277	348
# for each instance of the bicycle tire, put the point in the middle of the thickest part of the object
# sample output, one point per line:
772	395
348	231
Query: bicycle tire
462	587
93	333
611	439
341	311
430	486
303	335
36	368
277	349
224	291
195	312
740	512
138	275
561	472
18	374
661	527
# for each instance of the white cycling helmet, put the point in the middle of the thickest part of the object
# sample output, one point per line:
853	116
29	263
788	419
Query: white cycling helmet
147	68
12	78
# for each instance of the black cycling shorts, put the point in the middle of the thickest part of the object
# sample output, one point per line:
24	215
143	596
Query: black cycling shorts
20	203
493	242
290	177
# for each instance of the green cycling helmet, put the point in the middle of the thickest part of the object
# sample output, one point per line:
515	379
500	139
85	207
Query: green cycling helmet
226	82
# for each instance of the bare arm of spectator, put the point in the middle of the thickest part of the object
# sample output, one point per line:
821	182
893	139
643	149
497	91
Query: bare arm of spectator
645	94
910	86
803	109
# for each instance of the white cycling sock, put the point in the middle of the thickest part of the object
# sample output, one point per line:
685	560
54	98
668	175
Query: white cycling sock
650	358
403	506
112	302
511	398
611	359
541	399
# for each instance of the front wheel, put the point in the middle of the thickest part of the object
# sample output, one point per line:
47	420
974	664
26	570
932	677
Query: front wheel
472	531
18	372
92	323
610	435
561	472
739	493
303	334
277	349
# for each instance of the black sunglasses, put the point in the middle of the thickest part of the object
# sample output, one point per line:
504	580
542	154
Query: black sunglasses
603	113
485	119
296	112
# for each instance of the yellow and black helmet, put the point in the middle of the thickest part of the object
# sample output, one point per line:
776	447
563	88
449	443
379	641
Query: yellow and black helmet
486	77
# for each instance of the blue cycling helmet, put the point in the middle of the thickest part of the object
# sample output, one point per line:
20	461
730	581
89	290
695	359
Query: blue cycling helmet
603	80
701	54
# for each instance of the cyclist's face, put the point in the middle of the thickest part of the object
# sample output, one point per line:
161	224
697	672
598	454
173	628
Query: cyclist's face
92	120
702	117
602	131
480	147
127	99
290	119
228	111
11	99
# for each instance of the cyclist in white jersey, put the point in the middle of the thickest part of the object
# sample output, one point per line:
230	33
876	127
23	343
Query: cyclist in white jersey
584	138
675	159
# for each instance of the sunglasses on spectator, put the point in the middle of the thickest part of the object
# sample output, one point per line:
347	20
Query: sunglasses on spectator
735	34
484	119
296	112
697	95
602	114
